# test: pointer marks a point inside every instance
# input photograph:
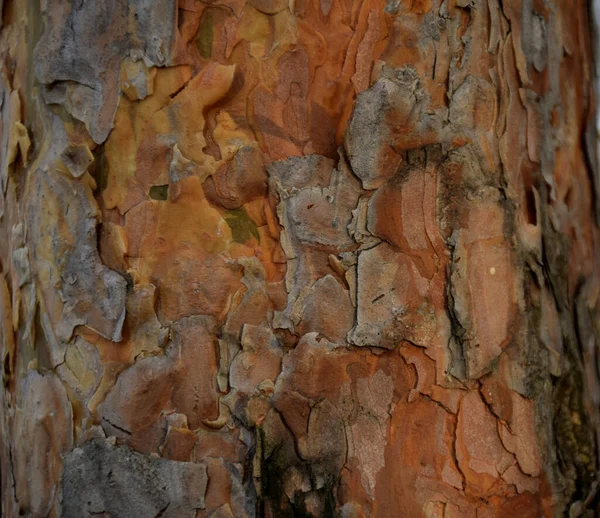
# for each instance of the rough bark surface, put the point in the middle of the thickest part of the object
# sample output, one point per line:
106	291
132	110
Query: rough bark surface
298	258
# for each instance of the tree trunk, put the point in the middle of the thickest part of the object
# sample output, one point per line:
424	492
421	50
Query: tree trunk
299	258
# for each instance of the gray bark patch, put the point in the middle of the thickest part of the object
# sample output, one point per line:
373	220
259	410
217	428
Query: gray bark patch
101	479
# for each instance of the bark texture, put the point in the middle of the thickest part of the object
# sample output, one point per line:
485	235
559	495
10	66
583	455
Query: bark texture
298	258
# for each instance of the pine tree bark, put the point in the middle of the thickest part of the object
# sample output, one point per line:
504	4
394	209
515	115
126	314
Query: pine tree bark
298	258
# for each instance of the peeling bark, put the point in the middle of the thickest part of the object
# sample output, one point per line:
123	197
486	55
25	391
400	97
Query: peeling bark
311	258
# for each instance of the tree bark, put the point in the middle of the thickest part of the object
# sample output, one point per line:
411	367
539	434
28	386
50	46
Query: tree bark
299	258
